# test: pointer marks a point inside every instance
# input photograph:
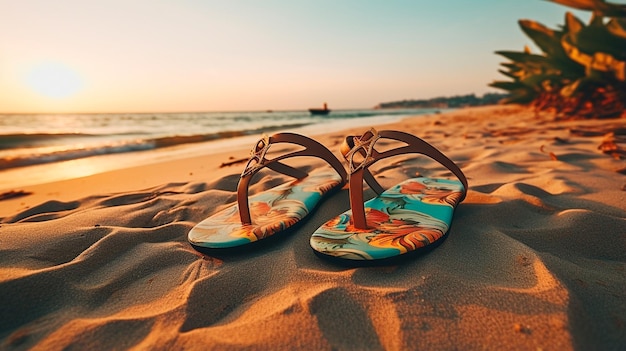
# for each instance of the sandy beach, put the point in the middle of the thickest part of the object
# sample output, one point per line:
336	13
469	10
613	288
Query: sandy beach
535	258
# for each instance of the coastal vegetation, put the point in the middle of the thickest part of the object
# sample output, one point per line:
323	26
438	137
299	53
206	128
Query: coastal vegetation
446	102
581	70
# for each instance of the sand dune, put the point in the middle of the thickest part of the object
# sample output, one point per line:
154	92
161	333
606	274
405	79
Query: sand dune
535	258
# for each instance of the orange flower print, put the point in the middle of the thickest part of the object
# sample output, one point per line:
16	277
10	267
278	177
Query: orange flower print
374	218
412	188
405	237
274	227
244	232
337	221
256	209
433	193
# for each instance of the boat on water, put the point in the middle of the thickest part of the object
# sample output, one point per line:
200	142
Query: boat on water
320	111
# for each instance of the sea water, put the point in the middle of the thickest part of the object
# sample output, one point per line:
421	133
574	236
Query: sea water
28	139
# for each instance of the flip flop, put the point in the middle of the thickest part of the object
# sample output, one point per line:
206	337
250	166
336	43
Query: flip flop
263	215
408	218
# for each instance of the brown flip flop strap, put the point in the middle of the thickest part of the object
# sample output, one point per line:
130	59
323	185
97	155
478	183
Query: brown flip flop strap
258	161
349	144
364	145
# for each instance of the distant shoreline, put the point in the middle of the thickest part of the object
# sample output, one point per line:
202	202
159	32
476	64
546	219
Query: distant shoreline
456	101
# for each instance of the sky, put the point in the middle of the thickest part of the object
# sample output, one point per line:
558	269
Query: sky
235	55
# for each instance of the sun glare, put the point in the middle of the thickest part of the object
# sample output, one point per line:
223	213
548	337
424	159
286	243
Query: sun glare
54	80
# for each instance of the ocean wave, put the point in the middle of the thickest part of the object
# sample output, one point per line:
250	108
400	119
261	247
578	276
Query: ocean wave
39	139
26	140
33	156
9	161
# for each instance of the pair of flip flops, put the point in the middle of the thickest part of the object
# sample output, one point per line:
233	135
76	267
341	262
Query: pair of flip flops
406	218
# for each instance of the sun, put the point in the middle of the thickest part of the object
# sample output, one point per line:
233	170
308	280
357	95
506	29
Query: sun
54	80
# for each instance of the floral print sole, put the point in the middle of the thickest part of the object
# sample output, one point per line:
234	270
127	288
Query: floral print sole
409	216
272	211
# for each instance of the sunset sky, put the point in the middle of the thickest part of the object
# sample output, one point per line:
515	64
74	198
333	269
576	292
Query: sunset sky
195	55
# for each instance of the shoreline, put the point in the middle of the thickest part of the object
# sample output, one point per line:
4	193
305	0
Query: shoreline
81	167
534	259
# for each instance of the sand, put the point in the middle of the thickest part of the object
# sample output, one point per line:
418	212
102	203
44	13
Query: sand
535	258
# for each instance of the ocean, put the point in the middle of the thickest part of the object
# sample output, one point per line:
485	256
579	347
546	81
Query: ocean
28	139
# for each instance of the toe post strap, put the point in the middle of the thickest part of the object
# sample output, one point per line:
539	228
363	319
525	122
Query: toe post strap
362	148
258	161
